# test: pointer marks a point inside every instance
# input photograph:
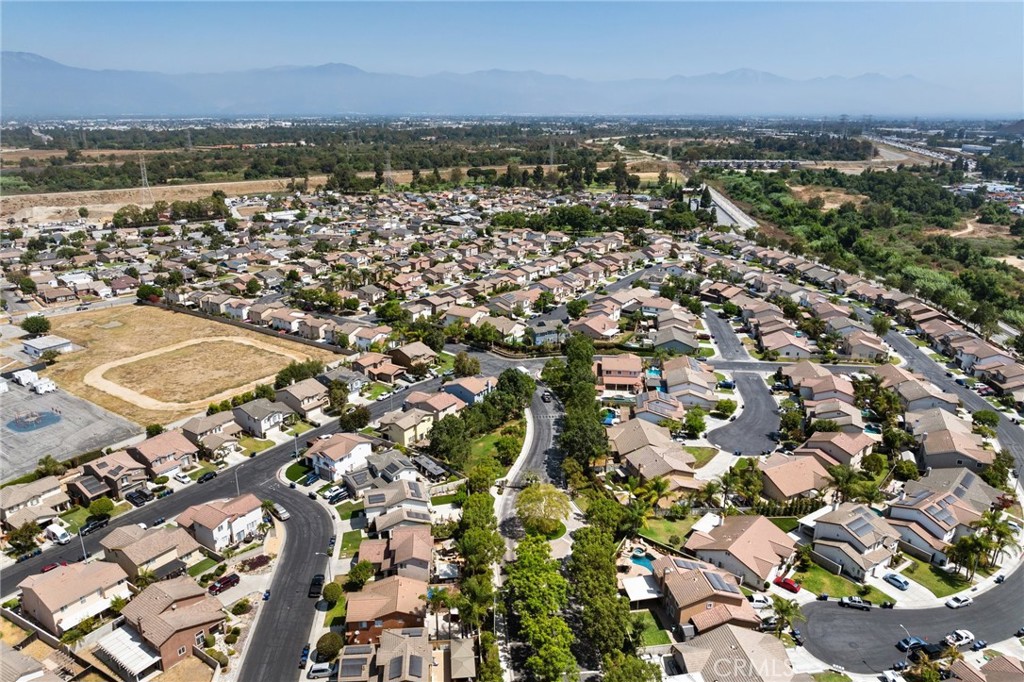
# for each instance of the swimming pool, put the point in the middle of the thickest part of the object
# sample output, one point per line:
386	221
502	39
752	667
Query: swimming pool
645	560
654	372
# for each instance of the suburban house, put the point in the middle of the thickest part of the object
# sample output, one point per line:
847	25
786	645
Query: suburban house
670	462
690	382
164	552
306	398
391	466
408	552
619	373
697	593
862	345
929	521
393	602
378	367
165	454
837	447
856	539
750	547
440	405
172	617
754	656
39	502
408	427
223	523
403	655
335	456
948	448
470	390
398	504
260	417
787	345
218	433
785	477
19	667
411	354
655	406
62	598
916	396
114	475
675	339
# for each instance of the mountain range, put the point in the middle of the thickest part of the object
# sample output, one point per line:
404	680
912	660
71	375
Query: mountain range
34	86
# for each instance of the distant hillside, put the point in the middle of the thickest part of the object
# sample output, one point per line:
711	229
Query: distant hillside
1013	128
35	86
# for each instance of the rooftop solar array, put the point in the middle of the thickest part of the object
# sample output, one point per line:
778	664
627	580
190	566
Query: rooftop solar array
354	667
419	515
683	563
861	525
415	488
359	649
720	583
376	498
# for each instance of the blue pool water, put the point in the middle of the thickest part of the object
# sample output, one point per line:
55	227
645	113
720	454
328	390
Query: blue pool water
654	372
644	560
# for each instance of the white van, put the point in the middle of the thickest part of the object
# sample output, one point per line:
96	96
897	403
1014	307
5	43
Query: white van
321	670
57	534
280	512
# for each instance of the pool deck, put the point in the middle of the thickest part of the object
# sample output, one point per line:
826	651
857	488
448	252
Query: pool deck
624	561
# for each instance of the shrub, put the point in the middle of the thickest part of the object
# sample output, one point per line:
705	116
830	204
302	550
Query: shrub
206	577
329	645
219	571
332	593
218	656
161	480
236	630
675	541
208	640
241	607
256	562
11	604
231	639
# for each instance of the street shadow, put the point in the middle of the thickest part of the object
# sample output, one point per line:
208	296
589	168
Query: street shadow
512	528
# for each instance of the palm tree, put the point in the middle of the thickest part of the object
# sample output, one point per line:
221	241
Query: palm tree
267	506
708	492
925	668
869	494
728	481
637	514
49	466
843	480
144	578
952	654
656	490
437	599
787	612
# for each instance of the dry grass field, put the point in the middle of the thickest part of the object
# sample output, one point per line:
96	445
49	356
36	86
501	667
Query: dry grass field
170	377
155	366
833	198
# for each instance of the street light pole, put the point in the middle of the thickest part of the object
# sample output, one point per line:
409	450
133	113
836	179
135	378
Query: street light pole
85	555
907	652
238	492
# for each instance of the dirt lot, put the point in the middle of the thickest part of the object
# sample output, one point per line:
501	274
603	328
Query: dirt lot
1015	261
169	377
972	229
10	633
119	335
833	198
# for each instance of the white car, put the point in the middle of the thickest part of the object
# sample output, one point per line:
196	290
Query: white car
959	638
760	601
959	602
182	478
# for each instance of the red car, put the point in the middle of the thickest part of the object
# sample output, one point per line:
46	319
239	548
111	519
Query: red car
788	584
50	567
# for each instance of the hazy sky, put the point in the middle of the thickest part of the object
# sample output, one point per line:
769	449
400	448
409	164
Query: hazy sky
943	42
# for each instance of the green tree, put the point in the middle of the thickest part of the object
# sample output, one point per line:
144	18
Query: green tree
48	465
103	506
542	508
873	463
27	286
881	324
824	426
154	430
466	365
693	422
358	576
905	471
50	356
329	645
726	406
337	394
545	302
787	612
987	418
36	325
577	307
620	667
23	538
253	287
333	593
118	603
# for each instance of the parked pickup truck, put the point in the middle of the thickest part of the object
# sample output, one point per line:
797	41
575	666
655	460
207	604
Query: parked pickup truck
855	603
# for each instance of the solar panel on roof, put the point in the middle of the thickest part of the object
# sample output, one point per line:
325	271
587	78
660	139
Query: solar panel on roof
860	527
419	515
395	669
415	666
683	563
415	488
359	649
353	667
720	583
376	498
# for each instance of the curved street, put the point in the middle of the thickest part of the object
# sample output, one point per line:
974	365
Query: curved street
865	642
749	433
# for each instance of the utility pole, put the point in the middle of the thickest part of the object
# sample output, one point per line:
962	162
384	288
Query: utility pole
147	194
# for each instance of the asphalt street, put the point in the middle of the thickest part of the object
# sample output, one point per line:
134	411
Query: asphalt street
729	345
865	642
749	433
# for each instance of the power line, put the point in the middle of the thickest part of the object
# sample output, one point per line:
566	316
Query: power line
147	193
389	180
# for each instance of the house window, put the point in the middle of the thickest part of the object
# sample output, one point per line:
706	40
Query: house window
959	462
200	639
710	605
378	623
181	651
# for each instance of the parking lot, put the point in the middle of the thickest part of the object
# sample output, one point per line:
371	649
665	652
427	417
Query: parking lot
67	426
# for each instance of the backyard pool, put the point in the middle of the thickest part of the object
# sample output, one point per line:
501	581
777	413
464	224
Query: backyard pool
654	372
645	560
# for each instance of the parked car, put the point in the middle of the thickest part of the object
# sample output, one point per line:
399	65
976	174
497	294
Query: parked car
224	583
316	586
978	645
182	477
322	670
760	601
304	656
135	498
49	567
340	496
897	581
910	643
855	603
787	584
93	526
333	541
798	637
208	476
331	492
266	595
280	512
959	602
932	651
959	638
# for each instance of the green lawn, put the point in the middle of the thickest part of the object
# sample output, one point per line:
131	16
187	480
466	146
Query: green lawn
786	523
377	389
652	635
77	517
253	445
819	581
831	676
350	542
701	454
203	566
297	471
484	444
347	509
937	581
660	530
445	362
443	499
299	428
336	615
200	471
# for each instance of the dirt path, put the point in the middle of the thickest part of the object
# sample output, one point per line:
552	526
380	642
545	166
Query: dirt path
94	377
966	230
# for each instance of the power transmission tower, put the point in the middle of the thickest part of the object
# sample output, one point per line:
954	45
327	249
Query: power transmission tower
83	138
551	153
188	139
147	193
670	150
869	123
843	119
389	180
